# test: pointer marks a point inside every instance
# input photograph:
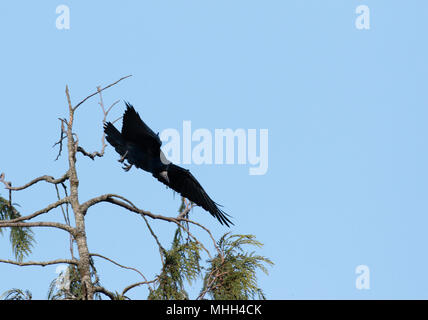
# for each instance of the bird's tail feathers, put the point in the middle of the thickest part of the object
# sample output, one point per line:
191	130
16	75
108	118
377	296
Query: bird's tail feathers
221	216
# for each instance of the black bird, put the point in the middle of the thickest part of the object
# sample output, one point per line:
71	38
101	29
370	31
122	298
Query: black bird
140	146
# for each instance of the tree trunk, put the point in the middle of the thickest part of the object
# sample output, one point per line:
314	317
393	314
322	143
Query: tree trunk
80	236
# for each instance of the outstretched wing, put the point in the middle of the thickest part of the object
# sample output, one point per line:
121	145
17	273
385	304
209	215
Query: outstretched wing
134	129
115	138
183	182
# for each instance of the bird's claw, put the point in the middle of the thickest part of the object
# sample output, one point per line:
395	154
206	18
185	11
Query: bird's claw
127	167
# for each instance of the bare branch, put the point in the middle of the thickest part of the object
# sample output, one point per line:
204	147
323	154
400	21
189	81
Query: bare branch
37	213
103	290
161	249
185	212
113	122
61	138
57	225
46	178
41	263
87	154
104	198
98	91
111	107
138	284
65	214
124	204
118	264
70	109
131	207
103	143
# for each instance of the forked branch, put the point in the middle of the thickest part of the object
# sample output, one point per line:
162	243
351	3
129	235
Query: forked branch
98	91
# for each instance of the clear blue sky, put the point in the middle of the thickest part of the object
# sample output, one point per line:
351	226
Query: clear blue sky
346	111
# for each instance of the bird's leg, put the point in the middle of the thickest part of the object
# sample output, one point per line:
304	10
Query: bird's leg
185	203
127	167
188	204
123	157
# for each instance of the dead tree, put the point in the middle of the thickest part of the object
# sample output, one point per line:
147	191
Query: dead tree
69	182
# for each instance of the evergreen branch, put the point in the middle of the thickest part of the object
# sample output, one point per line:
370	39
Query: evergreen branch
193	237
182	262
16	294
22	239
234	276
213	275
208	231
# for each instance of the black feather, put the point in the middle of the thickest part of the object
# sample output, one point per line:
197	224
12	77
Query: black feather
140	146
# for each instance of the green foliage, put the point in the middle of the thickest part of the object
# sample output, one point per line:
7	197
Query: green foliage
21	238
16	294
232	275
180	263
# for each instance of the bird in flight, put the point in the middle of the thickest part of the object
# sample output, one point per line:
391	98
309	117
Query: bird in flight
141	147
